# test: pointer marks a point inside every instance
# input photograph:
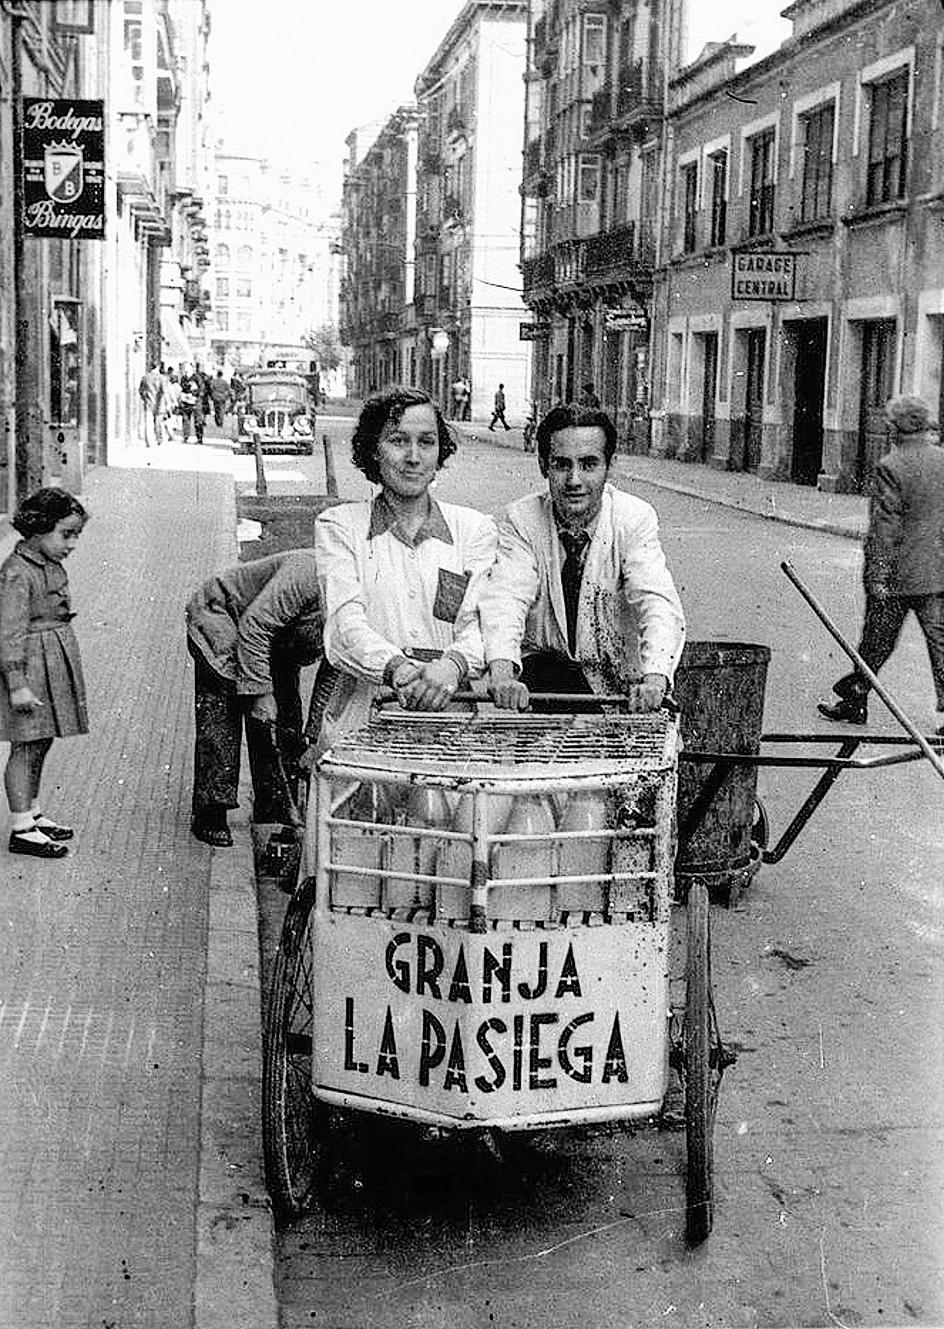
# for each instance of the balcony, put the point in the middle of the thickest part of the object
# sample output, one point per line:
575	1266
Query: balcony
425	306
537	272
533	155
610	250
385	323
430	160
452	211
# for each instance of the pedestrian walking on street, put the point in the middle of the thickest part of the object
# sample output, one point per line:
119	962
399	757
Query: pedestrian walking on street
172	406
588	397
192	404
903	569
499	411
249	630
151	392
580	598
467	402
42	696
220	397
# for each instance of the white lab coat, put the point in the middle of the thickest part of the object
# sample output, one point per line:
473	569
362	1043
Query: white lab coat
629	616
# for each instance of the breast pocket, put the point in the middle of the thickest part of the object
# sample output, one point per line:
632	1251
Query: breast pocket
450	592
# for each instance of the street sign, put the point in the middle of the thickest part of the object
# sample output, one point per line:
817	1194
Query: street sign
625	320
763	274
533	331
64	168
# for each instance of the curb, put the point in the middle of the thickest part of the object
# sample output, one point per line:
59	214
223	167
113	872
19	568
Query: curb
235	1231
824	526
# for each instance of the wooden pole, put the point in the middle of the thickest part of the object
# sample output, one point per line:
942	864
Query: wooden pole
331	479
261	486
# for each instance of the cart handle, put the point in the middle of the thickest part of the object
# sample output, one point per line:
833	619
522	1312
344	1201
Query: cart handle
668	706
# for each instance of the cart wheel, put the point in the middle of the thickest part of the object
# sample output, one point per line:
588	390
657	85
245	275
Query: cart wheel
760	832
293	1121
700	1093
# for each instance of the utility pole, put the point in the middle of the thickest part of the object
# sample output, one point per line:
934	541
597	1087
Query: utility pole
28	445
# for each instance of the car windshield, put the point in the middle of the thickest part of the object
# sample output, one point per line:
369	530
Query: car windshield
279	392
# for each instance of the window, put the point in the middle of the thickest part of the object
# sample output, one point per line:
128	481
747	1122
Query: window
242	321
222	320
243	257
588	186
594	39
816	201
222	184
689	205
761	217
221	254
719	203
887	140
222	288
244	288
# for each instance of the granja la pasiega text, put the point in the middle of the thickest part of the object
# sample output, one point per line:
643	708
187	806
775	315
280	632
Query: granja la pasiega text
532	1048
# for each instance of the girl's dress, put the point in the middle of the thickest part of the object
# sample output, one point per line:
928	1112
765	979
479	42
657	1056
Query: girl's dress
38	649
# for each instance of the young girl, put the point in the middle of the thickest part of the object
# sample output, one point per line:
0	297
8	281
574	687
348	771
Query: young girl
42	691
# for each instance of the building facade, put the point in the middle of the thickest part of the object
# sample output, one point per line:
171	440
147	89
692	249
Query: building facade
594	136
273	276
468	283
82	319
802	281
378	219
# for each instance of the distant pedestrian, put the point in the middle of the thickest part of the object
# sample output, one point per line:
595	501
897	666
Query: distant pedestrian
237	386
458	399
171	405
499	411
588	397
904	556
151	393
220	397
467	404
42	696
192	404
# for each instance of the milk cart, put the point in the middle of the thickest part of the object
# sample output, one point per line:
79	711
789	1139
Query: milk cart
485	943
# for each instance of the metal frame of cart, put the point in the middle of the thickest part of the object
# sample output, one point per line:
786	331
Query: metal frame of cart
463	998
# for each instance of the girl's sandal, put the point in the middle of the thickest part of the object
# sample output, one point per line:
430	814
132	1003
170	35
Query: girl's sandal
22	842
218	836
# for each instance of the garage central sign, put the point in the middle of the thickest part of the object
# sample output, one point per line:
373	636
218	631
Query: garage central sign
763	274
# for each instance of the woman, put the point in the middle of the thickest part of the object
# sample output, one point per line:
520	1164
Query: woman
400	575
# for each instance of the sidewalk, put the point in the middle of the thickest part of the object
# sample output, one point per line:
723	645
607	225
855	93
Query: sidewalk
129	1002
795	505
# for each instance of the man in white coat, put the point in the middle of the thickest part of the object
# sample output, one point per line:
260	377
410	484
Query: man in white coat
580	598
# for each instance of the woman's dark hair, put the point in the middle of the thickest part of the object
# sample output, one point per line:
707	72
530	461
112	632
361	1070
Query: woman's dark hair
43	511
387	408
574	416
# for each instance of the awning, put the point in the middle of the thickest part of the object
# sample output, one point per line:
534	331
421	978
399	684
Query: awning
175	349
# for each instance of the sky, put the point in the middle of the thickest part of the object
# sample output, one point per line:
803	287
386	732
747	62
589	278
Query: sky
291	78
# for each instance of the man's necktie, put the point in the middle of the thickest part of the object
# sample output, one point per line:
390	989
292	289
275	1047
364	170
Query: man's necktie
574	542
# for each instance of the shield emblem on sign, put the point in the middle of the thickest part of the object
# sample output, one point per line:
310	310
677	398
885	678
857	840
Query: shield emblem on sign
63	173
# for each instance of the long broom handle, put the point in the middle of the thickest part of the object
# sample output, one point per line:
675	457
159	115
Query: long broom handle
932	756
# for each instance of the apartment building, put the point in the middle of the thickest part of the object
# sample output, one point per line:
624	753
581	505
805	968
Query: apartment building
596	82
468	305
802	243
377	247
272	273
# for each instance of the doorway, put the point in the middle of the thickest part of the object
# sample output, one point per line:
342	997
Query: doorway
754	399
708	396
809	388
878	376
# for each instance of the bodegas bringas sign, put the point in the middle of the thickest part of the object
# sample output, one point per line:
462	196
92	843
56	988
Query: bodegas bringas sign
64	168
763	274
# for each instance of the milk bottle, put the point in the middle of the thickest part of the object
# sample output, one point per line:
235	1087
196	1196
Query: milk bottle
426	808
352	889
455	858
584	811
531	814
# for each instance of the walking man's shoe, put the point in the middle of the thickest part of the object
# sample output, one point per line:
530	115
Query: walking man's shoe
849	711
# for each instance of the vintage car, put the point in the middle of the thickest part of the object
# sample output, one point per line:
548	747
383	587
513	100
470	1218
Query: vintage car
277	409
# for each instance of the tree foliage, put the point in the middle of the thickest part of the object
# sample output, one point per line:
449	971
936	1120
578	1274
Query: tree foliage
325	346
